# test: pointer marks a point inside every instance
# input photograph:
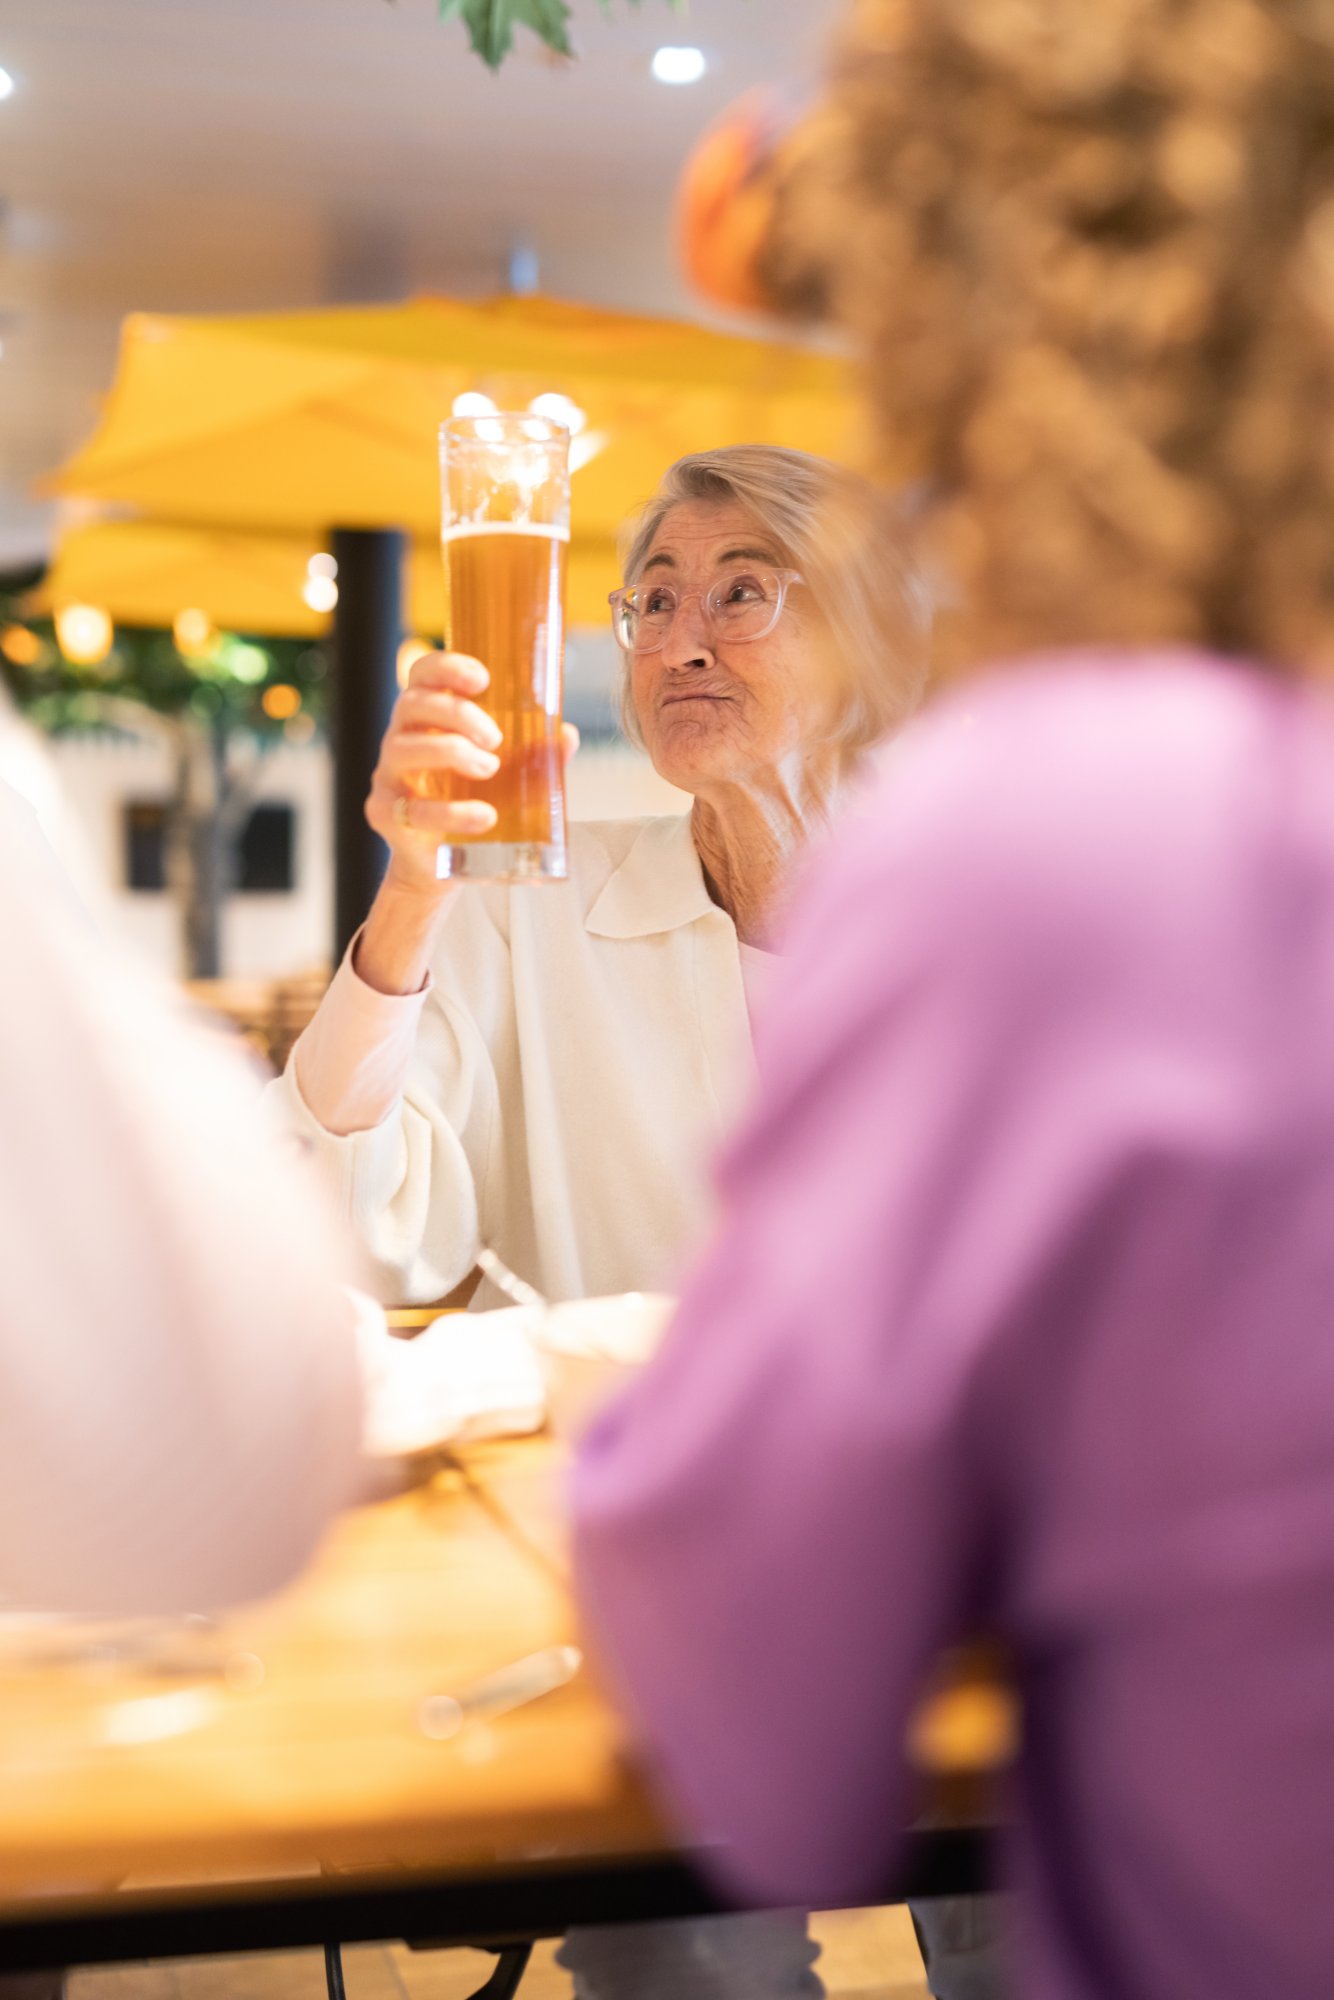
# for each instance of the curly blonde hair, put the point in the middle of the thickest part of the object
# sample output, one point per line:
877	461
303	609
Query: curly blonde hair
1086	249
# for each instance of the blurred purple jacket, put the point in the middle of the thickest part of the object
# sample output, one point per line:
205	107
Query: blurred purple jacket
1019	1318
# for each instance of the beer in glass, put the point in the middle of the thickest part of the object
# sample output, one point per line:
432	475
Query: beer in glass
506	531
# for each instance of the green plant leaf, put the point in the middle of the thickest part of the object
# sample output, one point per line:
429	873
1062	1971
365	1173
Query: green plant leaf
491	24
549	17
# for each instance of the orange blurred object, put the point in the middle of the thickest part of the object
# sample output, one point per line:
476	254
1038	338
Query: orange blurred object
280	701
725	200
21	646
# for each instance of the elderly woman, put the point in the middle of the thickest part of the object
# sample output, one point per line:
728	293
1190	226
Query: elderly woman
546	1071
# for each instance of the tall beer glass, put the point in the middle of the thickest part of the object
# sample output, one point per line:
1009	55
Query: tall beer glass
505	484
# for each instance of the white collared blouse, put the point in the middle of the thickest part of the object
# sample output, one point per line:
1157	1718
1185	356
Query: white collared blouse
557	1088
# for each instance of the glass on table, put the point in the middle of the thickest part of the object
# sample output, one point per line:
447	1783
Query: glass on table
505	532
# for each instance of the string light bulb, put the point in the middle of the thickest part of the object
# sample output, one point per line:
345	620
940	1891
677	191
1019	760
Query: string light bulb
84	633
20	646
281	701
560	410
194	633
472	403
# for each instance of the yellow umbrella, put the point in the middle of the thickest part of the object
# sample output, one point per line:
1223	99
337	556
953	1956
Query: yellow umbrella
297	420
146	572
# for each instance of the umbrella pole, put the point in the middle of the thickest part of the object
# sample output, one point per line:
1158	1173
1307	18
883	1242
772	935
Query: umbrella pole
367	628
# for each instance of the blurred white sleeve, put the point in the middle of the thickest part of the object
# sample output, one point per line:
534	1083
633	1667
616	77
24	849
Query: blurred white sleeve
180	1401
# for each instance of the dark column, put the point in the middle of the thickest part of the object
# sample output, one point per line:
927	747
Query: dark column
367	628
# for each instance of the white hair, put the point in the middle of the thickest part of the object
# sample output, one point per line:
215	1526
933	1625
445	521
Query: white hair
850	542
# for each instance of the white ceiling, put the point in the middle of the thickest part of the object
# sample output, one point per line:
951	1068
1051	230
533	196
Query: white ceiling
206	155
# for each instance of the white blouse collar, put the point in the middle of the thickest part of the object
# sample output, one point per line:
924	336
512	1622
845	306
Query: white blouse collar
658	887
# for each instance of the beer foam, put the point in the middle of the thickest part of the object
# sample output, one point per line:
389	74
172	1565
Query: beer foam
546	531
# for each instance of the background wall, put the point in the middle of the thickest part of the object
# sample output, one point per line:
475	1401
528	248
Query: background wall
273	934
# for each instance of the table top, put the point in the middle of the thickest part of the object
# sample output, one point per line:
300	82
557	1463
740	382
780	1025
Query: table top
288	1742
108	1770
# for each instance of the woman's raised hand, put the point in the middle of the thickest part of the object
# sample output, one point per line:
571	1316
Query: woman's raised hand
436	726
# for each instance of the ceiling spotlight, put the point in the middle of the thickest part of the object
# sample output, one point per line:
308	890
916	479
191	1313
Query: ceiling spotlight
322	565
679	65
6	84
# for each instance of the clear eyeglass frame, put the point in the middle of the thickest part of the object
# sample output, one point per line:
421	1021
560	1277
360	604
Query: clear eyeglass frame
739	629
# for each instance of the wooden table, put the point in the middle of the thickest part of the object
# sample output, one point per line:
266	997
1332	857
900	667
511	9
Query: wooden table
269	1784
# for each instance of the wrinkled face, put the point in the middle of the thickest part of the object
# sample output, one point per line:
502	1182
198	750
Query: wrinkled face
713	711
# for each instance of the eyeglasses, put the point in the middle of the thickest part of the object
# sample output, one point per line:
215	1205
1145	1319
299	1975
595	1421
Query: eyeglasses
740	604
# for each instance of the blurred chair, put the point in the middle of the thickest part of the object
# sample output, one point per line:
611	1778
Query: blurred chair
269	1013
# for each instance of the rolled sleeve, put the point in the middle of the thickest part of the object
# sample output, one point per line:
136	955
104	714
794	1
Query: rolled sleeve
351	1063
395	1099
